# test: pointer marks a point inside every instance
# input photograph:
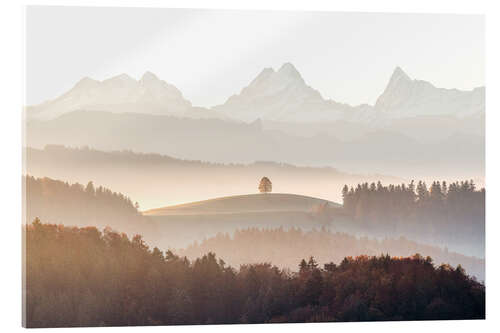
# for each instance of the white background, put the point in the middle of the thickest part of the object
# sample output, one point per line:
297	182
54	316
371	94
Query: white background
11	101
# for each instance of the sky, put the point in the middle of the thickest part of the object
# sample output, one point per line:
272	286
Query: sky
210	55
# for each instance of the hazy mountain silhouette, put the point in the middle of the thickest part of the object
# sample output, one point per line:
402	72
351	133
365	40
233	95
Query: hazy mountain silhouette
284	96
121	93
424	129
277	117
281	95
389	151
404	97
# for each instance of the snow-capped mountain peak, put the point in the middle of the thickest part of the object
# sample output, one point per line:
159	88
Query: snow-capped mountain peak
120	78
149	77
274	95
406	97
398	74
289	70
278	95
262	77
85	83
398	77
120	93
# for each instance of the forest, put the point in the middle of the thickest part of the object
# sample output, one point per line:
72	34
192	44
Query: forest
58	202
443	213
285	247
75	204
85	277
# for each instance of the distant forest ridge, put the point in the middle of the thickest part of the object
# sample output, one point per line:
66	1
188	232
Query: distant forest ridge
388	151
284	247
131	156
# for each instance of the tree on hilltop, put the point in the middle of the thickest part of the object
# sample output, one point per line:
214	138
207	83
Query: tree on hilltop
265	185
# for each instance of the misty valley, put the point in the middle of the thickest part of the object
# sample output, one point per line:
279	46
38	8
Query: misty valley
278	205
265	257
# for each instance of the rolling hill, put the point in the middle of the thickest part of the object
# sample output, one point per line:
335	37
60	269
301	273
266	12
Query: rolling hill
195	221
250	203
161	180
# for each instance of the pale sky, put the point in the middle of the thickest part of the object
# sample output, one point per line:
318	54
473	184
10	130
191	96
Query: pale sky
211	54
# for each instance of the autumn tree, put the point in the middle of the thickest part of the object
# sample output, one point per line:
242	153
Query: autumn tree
87	277
265	185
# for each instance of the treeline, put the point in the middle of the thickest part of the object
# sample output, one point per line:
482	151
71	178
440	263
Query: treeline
131	171
84	277
286	247
136	157
443	212
75	204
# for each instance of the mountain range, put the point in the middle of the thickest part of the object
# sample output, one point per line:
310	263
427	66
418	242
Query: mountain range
120	94
274	95
383	151
404	97
413	130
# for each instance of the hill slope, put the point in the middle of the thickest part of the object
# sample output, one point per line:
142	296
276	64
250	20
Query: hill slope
161	180
269	202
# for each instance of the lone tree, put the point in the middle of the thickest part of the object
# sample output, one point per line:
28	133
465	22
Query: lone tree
265	185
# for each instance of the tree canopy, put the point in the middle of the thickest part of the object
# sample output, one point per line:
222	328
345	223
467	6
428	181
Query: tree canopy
84	277
443	213
265	185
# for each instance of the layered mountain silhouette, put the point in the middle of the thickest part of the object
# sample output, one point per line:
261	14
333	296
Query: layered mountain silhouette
414	129
384	151
274	95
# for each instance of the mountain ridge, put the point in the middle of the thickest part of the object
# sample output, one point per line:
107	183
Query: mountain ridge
273	95
120	93
406	97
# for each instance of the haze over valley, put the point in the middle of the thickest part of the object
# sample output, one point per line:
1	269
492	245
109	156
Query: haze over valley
276	118
157	180
143	138
246	228
195	166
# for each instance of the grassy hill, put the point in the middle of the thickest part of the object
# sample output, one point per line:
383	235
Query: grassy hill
172	181
183	224
250	203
